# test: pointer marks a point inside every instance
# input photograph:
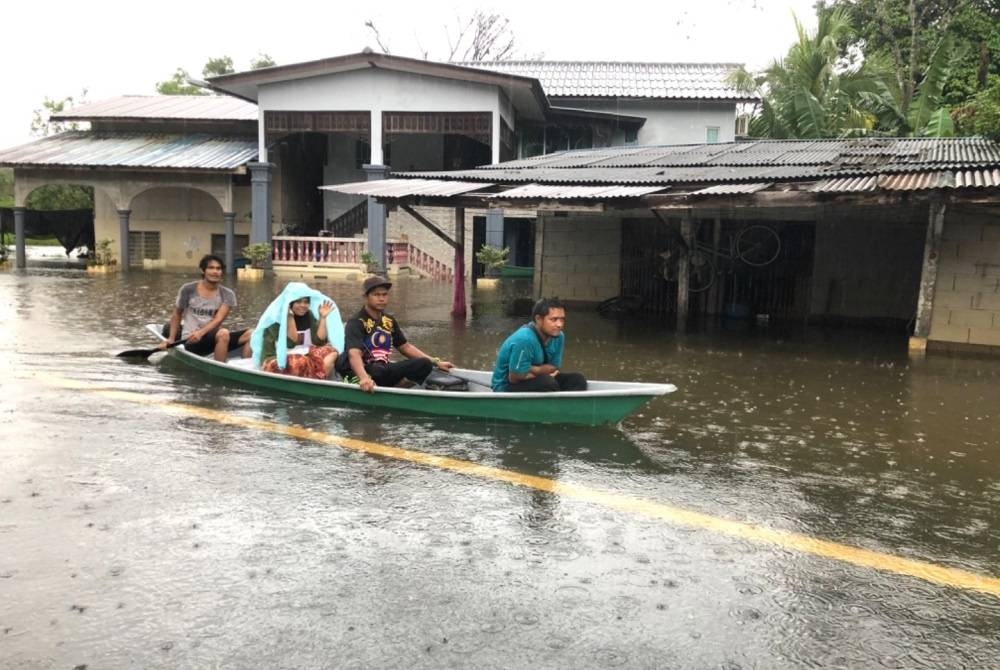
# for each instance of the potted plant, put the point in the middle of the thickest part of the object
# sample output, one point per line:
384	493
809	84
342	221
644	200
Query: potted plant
103	259
368	260
258	254
492	258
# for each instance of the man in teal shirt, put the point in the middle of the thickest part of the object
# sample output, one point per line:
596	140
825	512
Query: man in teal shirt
529	360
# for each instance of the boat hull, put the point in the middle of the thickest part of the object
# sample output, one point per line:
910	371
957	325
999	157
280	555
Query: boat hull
609	403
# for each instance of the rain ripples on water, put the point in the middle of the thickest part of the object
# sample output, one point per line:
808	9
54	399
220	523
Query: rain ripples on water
135	534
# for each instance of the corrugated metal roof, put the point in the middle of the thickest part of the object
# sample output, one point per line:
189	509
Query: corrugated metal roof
597	79
399	188
547	192
731	189
181	107
638	175
892	153
911	181
134	150
977	178
845	185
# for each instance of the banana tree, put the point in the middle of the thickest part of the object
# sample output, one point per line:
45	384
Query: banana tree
812	93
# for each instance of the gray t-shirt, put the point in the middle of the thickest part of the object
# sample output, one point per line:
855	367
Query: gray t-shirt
198	310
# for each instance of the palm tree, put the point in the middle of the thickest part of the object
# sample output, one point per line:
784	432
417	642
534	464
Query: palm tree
812	92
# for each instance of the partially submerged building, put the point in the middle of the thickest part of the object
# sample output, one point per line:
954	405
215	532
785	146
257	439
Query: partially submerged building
894	231
174	176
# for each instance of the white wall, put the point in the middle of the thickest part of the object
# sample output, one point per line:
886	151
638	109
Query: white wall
381	90
667	121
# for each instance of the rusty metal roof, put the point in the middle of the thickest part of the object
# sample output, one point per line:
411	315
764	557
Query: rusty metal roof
180	107
400	188
134	150
548	192
602	79
911	181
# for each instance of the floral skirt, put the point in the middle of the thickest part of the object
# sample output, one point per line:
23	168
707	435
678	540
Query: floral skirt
299	365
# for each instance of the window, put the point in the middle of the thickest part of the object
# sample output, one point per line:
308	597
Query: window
143	244
712	134
631	135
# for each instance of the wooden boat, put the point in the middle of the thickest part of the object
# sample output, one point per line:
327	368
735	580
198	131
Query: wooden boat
602	403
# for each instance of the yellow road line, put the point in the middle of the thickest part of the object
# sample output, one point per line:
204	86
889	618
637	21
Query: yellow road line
930	572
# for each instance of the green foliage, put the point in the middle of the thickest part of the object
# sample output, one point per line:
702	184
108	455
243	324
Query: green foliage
906	35
6	187
981	116
813	92
104	253
261	61
61	197
258	253
218	66
368	258
41	123
178	85
492	257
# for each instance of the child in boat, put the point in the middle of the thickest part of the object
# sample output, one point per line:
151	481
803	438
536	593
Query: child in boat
299	334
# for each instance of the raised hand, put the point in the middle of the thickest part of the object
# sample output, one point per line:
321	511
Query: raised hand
325	308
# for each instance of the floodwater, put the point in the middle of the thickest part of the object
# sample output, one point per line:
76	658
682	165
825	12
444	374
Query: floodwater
805	499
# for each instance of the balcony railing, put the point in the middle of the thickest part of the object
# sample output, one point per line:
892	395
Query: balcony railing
326	251
345	252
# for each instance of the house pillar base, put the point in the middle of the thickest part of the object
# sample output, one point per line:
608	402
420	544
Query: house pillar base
377	218
20	255
123	257
260	204
918	347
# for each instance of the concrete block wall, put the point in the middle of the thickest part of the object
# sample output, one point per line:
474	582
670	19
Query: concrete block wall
579	256
967	293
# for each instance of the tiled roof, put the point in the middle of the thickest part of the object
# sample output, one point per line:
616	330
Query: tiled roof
600	79
186	107
134	150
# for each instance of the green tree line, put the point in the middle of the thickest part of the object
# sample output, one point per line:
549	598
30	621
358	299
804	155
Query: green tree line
884	67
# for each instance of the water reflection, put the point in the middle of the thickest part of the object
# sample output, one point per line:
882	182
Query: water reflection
835	434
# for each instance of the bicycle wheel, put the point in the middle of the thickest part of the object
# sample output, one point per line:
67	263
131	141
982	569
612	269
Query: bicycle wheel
758	245
701	272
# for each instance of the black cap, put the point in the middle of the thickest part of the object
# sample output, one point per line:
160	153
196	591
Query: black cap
374	282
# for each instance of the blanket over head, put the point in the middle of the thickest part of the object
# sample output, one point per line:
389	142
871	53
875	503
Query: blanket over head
277	312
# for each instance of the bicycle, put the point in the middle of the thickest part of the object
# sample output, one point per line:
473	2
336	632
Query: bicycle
755	245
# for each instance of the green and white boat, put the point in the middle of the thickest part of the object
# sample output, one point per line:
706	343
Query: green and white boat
602	403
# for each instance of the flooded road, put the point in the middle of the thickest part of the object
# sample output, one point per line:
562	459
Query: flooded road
805	499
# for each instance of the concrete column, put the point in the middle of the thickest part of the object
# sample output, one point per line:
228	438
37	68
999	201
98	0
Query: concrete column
375	137
261	136
928	278
123	256
494	228
230	219
20	255
495	139
683	268
458	306
376	216
260	204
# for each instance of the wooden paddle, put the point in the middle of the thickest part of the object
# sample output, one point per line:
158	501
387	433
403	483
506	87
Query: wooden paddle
145	353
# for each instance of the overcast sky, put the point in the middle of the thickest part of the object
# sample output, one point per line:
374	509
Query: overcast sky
57	49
